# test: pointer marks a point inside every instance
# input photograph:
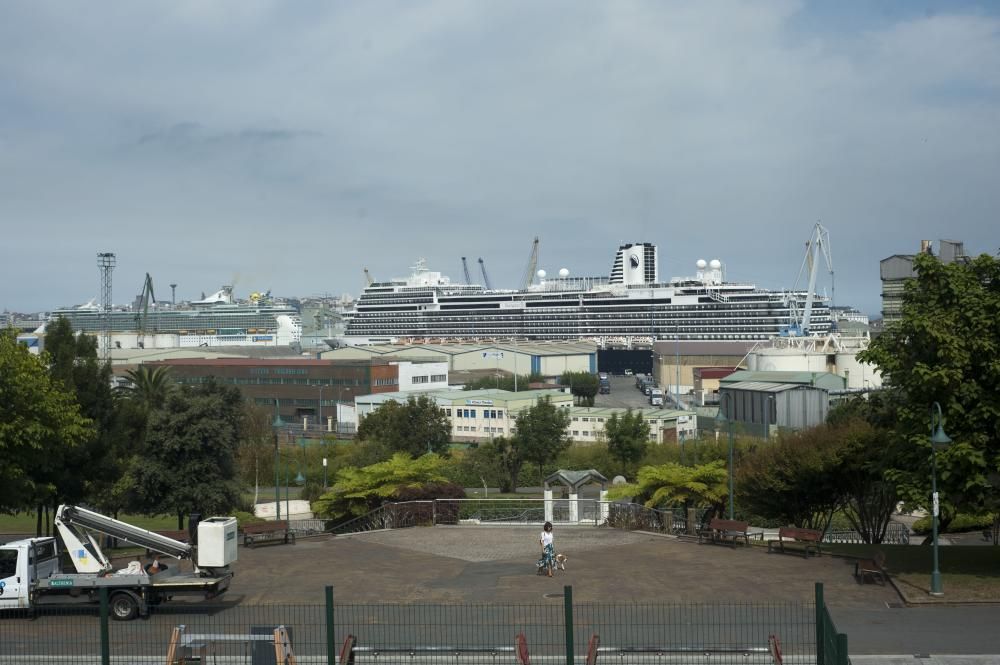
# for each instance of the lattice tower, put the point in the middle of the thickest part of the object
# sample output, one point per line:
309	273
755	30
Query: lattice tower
106	264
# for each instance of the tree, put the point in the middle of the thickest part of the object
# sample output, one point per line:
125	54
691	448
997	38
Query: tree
74	362
539	438
671	484
627	437
583	385
360	490
415	427
188	461
794	479
40	424
504	382
944	350
149	385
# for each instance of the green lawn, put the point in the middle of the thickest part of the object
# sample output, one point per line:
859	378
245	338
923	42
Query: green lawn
25	522
967	573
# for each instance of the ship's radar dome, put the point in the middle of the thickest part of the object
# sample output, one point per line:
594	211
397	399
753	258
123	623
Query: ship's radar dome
701	263
541	274
715	264
564	272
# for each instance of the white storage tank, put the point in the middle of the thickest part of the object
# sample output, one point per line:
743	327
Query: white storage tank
788	360
857	373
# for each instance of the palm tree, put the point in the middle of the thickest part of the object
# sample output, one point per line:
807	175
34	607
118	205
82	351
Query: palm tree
149	385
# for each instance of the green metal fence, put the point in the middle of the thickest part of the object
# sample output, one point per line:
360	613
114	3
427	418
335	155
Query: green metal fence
556	630
831	646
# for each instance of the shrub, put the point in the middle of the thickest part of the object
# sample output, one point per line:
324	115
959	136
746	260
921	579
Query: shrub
961	522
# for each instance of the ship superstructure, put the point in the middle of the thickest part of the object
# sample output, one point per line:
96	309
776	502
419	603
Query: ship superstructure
216	320
629	307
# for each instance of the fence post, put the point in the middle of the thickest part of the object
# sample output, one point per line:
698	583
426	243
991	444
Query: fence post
331	645
820	624
692	526
105	639
568	604
434	512
842	657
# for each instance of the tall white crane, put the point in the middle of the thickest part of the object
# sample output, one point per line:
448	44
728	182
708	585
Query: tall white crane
818	243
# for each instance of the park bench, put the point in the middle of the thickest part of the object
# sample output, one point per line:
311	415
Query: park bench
808	539
267	532
720	530
874	567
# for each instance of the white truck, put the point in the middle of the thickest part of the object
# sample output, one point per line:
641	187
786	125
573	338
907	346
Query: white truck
656	397
31	574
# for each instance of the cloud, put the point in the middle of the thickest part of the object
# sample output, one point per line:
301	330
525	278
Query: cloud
302	142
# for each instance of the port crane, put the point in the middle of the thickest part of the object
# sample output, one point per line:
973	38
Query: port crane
486	278
529	272
465	269
817	245
369	280
142	311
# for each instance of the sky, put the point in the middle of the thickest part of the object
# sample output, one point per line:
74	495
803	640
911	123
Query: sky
286	146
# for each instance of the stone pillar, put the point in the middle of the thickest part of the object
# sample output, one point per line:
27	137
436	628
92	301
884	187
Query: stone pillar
692	528
329	423
604	506
548	504
305	423
574	507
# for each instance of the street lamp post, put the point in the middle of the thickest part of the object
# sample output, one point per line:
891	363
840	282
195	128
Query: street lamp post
277	424
299	478
728	418
325	485
938	438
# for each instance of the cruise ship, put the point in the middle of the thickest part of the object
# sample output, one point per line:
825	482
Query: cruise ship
218	320
631	307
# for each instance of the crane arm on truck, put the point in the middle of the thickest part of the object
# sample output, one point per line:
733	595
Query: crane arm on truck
76	526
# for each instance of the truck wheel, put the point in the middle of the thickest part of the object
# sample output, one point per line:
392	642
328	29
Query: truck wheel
124	607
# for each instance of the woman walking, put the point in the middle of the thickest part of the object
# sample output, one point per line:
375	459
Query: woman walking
548	561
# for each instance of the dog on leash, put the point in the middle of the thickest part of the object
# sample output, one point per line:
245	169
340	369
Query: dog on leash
561	561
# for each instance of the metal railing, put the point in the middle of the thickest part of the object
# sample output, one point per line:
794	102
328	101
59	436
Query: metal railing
556	630
895	534
521	512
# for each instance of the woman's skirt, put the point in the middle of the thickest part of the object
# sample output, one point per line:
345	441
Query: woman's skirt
548	559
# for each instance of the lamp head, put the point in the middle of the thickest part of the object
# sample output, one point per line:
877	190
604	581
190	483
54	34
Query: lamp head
277	422
300	479
939	438
721	416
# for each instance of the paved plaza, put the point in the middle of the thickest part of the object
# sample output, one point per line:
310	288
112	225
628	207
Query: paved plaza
468	564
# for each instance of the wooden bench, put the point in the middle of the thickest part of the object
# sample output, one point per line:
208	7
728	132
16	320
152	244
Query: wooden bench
720	530
874	567
809	539
267	532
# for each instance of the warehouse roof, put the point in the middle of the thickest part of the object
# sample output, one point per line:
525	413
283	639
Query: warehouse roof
763	386
819	379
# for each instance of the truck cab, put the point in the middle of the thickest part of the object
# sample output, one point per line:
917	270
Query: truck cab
22	563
